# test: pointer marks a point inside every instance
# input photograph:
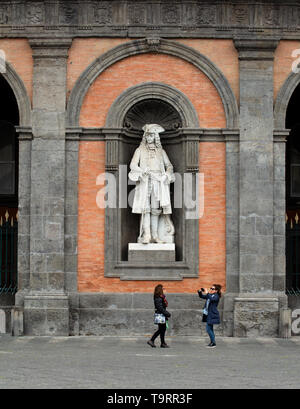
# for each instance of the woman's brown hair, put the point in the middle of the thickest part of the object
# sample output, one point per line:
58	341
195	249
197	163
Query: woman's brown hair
218	288
158	290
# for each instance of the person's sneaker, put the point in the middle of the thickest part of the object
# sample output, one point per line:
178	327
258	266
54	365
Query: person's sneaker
164	346
151	343
211	345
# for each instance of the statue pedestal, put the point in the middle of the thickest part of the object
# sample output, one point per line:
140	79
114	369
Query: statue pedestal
152	252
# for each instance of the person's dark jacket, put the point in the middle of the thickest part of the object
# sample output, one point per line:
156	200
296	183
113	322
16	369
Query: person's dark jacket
213	316
160	307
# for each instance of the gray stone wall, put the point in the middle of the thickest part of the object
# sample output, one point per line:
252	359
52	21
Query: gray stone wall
133	314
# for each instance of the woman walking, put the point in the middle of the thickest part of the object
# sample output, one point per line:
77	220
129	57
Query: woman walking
160	305
210	312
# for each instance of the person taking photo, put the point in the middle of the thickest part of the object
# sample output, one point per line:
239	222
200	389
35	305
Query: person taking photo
210	312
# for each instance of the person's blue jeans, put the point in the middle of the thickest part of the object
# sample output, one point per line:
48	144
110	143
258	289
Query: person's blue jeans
210	331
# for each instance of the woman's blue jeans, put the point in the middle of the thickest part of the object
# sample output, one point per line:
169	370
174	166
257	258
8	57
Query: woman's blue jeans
210	331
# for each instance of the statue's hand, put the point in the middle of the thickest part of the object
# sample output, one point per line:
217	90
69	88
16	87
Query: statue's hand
146	172
165	179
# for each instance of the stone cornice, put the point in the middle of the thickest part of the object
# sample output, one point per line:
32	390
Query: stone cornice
50	47
169	19
190	134
256	48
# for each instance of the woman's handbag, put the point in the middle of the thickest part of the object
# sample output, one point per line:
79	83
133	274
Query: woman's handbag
159	318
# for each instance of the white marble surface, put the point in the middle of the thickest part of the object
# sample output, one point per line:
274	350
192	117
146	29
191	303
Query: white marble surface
151	246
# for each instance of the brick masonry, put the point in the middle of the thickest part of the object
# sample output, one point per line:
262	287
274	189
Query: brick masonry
203	95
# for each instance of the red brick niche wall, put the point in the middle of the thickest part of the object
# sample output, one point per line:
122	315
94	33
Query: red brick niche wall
207	102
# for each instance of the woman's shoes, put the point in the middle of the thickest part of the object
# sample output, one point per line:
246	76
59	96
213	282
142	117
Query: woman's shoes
211	345
151	343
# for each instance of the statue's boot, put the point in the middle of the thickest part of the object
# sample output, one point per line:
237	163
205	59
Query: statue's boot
146	229
154	229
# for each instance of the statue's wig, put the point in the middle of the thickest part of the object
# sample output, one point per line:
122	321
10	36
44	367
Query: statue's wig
152	128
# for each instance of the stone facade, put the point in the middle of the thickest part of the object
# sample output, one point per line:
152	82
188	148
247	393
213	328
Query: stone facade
222	68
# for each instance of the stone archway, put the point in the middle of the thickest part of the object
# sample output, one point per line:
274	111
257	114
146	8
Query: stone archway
149	46
283	98
152	90
21	95
23	128
15	117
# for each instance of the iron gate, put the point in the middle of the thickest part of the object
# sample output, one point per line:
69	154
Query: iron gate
8	254
293	255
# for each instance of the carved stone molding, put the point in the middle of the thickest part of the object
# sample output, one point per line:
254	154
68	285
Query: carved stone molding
283	99
152	90
50	48
165	47
256	48
20	93
134	18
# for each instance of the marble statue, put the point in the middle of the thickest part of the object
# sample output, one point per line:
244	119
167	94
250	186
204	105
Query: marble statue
152	171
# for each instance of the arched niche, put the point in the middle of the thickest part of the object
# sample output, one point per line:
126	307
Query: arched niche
138	105
116	137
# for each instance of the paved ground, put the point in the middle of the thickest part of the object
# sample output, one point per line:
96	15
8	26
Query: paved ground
123	362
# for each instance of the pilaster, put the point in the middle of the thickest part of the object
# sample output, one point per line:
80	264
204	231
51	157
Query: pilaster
257	308
46	310
256	168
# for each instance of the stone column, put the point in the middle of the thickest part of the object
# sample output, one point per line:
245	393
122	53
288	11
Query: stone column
256	310
46	309
232	228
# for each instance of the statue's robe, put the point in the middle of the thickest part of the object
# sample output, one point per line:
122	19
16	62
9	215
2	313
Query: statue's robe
159	164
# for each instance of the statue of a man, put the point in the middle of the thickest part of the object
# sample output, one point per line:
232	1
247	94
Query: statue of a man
152	171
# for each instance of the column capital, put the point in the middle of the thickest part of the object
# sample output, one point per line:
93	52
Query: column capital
50	47
256	49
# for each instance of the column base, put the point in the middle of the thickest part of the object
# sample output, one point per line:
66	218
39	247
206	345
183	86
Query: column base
46	314
256	316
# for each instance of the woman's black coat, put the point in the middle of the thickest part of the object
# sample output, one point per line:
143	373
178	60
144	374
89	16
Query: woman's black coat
160	307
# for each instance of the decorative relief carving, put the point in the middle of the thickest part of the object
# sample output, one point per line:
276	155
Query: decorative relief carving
293	17
206	15
189	15
154	16
68	13
170	13
137	14
34	14
4	14
240	14
271	15
153	43
103	13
